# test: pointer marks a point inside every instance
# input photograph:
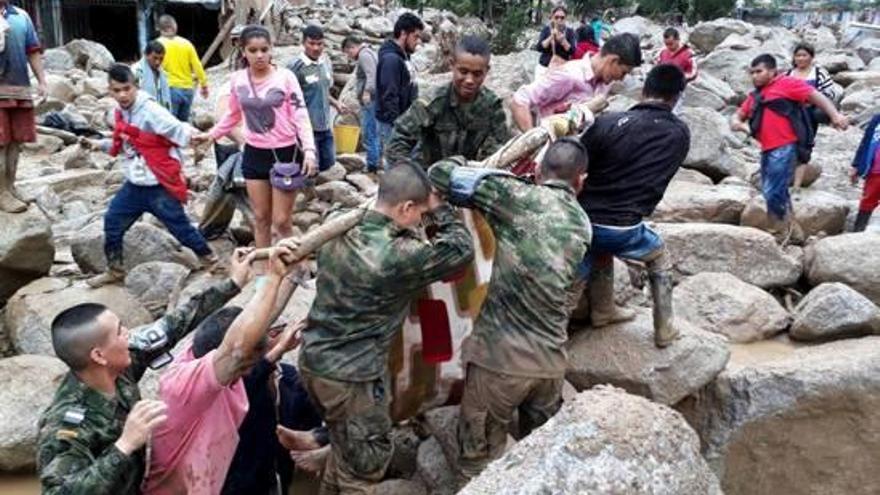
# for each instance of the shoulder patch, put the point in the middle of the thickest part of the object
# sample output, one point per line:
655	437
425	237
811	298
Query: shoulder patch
74	416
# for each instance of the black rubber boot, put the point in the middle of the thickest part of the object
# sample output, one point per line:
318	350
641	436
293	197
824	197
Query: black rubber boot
862	220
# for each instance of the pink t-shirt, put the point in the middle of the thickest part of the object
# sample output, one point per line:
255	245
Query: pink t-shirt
192	450
573	82
275	118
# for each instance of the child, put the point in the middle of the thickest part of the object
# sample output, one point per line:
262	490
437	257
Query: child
866	164
148	137
770	123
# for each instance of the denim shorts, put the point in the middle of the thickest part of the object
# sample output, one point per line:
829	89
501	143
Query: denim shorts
638	243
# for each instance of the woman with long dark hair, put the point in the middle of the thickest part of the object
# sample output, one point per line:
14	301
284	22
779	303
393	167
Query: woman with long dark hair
279	152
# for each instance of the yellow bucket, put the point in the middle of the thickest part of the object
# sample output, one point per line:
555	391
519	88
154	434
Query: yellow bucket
346	137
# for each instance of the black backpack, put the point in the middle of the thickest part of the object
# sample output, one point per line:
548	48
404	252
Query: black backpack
798	115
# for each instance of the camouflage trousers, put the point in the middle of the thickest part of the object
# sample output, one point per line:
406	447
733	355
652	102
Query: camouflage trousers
487	409
357	417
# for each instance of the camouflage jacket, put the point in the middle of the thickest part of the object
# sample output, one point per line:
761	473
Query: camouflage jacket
366	281
443	127
541	236
75	451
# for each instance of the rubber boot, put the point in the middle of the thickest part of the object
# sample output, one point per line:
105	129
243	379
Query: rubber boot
862	220
603	311
8	201
115	273
660	278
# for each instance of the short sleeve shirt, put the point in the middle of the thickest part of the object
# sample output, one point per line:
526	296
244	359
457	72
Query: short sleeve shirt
193	449
682	58
776	131
21	41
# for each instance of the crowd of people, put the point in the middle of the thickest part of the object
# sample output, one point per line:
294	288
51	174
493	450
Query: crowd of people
228	417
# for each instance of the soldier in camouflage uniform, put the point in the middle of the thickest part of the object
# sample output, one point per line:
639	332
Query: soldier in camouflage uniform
514	358
92	435
366	281
460	118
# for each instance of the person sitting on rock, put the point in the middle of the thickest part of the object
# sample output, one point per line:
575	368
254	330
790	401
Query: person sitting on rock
866	164
460	118
576	81
633	157
777	119
515	358
92	436
149	138
151	77
367	279
205	391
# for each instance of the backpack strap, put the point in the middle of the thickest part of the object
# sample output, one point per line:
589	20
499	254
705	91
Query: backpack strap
757	113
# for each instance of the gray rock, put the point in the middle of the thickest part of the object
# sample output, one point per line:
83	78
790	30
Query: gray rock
859	100
29	313
707	35
731	66
339	192
736	41
815	211
724	304
848	77
689	202
839	61
822	38
29	383
794	420
352	162
75	156
624	355
833	311
96	86
748	253
87	54
442	424
142	243
603	441
57	60
868	49
706	152
26	249
154	284
401	487
853	259
335	172
434	470
406	447
379	27
60	88
364	183
690	176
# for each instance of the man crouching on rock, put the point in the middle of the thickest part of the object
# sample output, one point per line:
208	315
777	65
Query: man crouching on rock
515	357
149	138
93	434
367	279
633	157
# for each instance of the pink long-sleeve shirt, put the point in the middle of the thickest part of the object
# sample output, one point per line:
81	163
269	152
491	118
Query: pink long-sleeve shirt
572	82
276	117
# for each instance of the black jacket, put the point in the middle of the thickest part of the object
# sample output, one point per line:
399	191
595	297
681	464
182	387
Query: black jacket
395	89
633	156
547	53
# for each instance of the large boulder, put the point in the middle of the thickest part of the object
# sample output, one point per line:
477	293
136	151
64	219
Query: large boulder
379	27
624	355
29	313
839	61
155	283
817	212
853	259
868	49
794	420
648	31
603	441
732	66
832	311
724	304
57	60
687	202
87	54
707	141
707	35
60	88
748	253
822	38
434	470
26	249
29	383
143	242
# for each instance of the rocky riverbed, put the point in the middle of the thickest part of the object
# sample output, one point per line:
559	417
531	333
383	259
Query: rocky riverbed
773	388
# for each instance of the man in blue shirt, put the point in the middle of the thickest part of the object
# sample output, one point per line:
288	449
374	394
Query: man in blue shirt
22	48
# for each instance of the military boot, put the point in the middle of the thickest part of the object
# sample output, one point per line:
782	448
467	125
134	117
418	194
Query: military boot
660	278
603	310
113	275
862	220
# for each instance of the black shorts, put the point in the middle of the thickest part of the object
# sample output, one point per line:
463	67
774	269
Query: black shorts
256	163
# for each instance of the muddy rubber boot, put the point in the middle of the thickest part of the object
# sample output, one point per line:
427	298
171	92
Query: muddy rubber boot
660	277
862	220
111	276
603	311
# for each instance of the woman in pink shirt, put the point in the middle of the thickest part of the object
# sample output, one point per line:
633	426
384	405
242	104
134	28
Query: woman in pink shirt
279	151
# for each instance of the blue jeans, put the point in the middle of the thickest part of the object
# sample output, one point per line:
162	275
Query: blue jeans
777	168
326	149
370	136
181	103
638	243
133	201
384	137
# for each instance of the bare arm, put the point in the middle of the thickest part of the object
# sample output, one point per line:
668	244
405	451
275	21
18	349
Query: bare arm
823	103
738	123
240	345
522	115
36	61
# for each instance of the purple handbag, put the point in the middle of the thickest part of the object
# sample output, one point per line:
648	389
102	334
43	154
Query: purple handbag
287	176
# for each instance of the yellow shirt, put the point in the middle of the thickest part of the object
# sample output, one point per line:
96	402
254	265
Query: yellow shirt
181	62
